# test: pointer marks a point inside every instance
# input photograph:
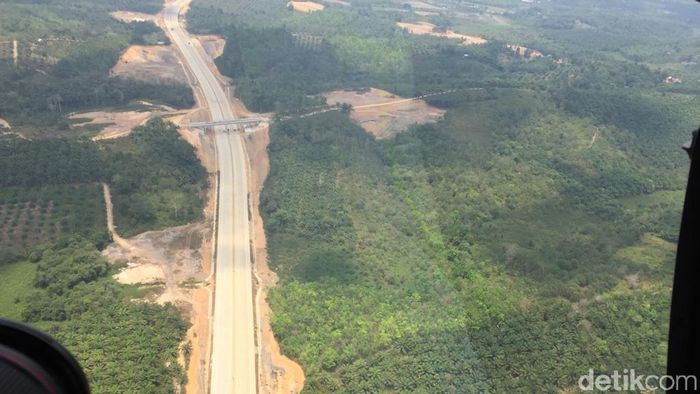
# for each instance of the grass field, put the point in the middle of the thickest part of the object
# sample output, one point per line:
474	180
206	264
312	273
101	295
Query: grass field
17	281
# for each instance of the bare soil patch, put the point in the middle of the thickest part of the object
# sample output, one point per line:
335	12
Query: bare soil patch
306	6
151	63
278	374
128	16
427	28
116	124
4	124
383	114
171	257
213	45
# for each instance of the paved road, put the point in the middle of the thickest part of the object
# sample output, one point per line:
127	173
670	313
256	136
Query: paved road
233	342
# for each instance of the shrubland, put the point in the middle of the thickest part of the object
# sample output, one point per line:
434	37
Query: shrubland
526	237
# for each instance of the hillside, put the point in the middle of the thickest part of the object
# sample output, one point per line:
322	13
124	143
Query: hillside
525	237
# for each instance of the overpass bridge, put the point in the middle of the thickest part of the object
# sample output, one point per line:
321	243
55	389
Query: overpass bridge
240	122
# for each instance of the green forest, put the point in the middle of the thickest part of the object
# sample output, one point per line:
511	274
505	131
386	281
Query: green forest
527	236
524	238
156	179
65	289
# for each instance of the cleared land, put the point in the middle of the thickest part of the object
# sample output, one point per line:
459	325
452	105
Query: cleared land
383	114
213	45
150	63
306	6
525	52
427	28
115	124
128	16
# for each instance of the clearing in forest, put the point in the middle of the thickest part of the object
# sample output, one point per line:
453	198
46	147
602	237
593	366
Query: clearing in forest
150	63
305	6
129	16
383	114
119	124
427	28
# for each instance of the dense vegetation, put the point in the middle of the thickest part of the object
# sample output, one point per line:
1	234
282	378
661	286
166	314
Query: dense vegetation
121	345
52	210
425	288
526	237
156	179
275	72
51	187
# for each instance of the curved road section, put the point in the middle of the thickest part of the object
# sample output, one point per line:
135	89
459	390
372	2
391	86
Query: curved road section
233	341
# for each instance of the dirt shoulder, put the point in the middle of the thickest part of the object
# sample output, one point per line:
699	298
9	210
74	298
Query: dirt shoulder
277	373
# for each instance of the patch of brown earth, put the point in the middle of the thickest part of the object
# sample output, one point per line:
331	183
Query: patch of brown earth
383	114
213	45
305	6
118	124
525	52
4	124
277	373
151	63
427	28
173	265
128	16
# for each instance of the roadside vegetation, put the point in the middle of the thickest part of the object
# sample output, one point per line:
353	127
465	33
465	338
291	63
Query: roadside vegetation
526	237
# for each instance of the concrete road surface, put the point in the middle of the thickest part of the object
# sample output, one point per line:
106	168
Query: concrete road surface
233	342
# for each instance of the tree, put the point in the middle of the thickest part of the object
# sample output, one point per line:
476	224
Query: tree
54	102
